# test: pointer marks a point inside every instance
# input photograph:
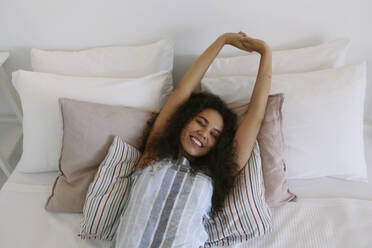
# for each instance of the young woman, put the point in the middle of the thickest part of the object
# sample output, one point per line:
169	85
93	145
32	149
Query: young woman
202	127
198	132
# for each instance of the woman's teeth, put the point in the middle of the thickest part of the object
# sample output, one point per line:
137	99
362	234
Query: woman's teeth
197	141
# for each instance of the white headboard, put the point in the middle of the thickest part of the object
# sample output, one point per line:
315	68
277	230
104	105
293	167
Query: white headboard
191	24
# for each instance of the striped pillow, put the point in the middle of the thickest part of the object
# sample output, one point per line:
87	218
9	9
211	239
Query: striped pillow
108	192
245	214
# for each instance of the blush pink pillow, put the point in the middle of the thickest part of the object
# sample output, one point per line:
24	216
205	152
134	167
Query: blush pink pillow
88	131
270	139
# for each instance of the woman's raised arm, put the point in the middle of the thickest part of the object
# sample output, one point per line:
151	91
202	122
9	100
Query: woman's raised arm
187	85
189	82
247	132
193	77
181	94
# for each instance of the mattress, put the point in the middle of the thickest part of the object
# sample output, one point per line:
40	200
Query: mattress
25	223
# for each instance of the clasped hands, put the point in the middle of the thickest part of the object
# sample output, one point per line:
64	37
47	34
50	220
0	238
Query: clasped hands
242	41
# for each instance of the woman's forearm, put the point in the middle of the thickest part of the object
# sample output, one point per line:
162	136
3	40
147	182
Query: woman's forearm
262	86
248	129
196	72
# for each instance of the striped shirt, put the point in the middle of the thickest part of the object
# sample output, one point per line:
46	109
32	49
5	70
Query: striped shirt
166	207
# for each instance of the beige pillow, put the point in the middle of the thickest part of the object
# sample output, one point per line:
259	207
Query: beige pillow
88	131
270	139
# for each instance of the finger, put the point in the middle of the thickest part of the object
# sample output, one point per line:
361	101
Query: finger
246	42
247	47
242	33
246	38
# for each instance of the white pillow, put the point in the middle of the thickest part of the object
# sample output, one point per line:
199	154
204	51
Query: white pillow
322	119
326	55
114	61
3	57
42	120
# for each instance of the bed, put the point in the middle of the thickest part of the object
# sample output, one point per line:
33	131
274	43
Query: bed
328	213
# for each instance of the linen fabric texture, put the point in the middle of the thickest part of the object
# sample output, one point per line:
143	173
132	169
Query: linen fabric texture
108	192
88	131
110	61
166	207
270	139
42	118
245	214
322	119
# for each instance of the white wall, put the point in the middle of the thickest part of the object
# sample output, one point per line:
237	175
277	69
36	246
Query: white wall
192	24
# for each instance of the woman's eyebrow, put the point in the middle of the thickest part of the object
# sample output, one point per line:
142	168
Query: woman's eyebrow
206	120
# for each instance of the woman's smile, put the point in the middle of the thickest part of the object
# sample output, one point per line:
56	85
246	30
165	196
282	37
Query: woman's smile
200	135
196	141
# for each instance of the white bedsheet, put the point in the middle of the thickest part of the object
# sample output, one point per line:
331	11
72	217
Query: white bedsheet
319	223
25	222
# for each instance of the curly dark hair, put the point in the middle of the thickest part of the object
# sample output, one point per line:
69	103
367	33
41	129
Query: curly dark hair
219	162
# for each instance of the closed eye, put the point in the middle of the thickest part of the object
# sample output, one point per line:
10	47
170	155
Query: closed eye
200	122
206	122
215	135
203	122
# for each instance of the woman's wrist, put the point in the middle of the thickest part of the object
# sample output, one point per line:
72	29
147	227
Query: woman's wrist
237	40
263	48
224	38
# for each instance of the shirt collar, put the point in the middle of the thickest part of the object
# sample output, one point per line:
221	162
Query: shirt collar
184	161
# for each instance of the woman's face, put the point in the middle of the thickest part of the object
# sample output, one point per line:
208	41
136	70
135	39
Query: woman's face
200	135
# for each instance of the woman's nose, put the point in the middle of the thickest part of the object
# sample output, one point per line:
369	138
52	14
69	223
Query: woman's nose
203	132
